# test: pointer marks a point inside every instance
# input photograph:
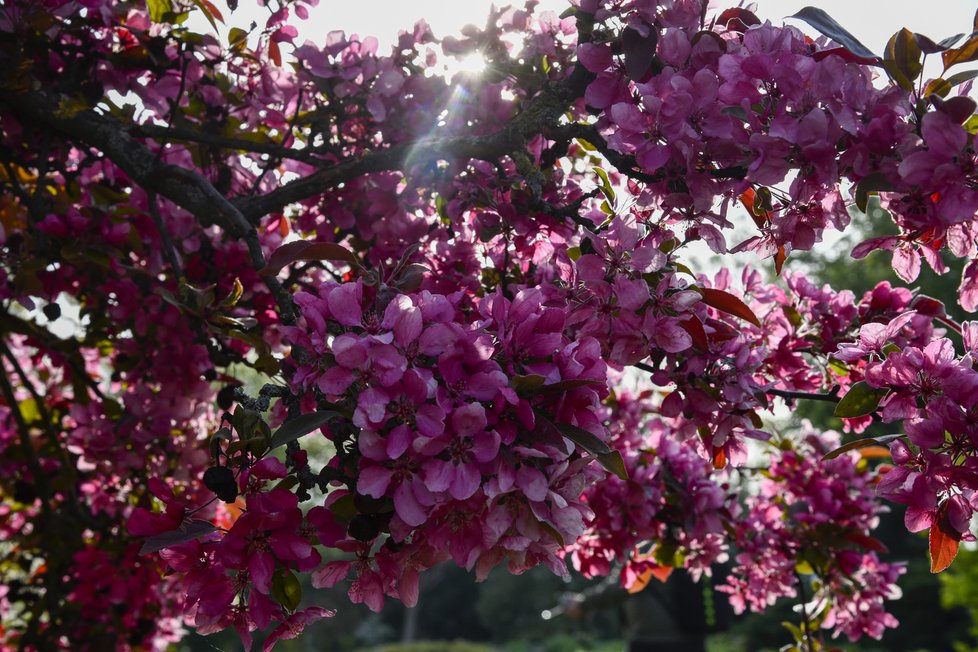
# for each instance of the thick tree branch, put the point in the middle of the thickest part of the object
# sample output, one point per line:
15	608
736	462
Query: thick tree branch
183	187
224	142
542	112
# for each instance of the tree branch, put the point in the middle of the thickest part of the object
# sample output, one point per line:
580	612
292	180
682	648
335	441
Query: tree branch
184	188
809	396
237	144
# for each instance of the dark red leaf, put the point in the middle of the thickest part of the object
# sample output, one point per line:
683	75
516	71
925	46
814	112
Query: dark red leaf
866	541
189	530
639	52
694	327
730	304
846	55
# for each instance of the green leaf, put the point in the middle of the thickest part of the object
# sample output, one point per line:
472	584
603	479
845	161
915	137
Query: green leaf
827	25
860	443
902	59
607	457
586	146
605	184
245	422
553	532
870	184
581	437
614	463
189	530
971	124
860	400
961	77
158	9
939	87
344	508
29	411
300	426
208	13
286	589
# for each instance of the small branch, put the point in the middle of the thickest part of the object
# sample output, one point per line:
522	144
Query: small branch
23	430
810	396
625	164
168	249
68	348
806	626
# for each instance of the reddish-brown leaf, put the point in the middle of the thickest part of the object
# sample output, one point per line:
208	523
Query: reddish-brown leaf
866	541
660	573
967	52
730	304
943	545
779	259
274	53
747	199
719	458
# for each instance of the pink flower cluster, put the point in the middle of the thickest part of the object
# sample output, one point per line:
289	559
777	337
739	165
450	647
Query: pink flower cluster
813	517
672	500
459	446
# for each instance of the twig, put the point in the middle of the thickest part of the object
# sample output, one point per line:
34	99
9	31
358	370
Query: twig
168	249
810	396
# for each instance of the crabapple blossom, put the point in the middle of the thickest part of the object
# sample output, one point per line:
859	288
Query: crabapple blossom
444	286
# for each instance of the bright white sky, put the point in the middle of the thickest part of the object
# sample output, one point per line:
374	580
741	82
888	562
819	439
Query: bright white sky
872	21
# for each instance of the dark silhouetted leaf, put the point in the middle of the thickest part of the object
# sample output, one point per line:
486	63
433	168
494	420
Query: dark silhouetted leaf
614	463
303	250
639	52
827	25
738	19
871	183
866	541
860	443
846	55
220	480
694	327
300	426
583	438
189	530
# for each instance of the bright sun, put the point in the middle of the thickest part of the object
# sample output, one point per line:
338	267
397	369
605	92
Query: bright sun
470	64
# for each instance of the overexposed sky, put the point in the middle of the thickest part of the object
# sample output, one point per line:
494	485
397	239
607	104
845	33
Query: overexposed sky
871	21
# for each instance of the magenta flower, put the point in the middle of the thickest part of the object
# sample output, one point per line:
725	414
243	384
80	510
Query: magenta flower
294	624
